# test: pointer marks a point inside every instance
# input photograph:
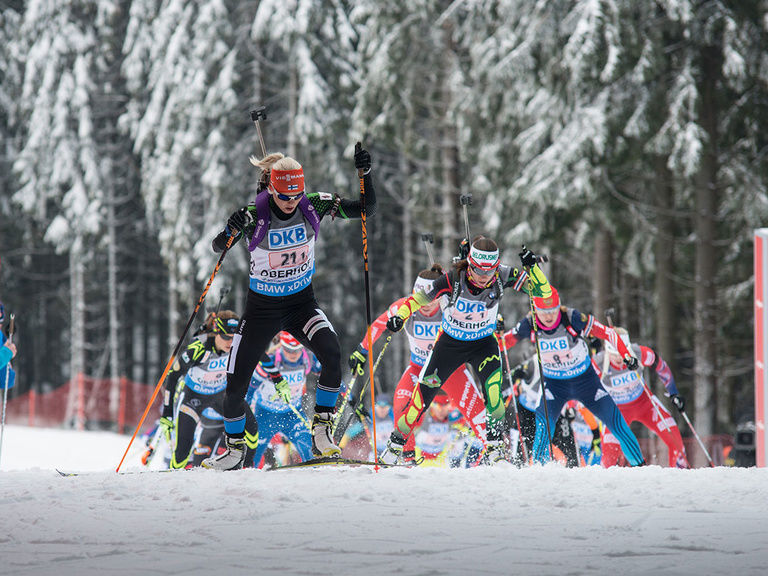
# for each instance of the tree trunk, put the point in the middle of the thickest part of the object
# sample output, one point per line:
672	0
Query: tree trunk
664	253
77	331
173	303
603	267
449	151
114	327
293	109
705	294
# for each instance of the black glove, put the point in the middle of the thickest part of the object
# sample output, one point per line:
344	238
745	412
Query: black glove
520	373
499	323
237	221
678	401
395	323
528	258
362	158
464	249
357	360
631	362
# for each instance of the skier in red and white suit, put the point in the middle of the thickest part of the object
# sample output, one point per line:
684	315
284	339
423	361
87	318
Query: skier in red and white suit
626	388
422	330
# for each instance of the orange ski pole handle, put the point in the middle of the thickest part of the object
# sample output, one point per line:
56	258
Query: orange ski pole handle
176	350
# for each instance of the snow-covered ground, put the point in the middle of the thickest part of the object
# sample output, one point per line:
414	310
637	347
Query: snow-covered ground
538	521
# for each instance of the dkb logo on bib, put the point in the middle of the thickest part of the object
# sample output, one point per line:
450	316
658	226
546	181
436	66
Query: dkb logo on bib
469	306
554	345
291	236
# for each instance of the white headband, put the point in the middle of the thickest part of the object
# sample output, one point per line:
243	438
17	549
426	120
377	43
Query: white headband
483	259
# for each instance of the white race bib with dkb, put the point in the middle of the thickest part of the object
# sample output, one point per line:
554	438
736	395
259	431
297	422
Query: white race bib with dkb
471	317
563	356
210	376
284	261
422	331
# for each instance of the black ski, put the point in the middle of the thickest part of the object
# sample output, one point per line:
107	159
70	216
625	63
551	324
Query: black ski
331	461
67	473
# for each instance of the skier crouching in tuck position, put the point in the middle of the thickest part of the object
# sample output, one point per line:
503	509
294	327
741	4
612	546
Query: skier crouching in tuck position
474	286
281	227
569	373
422	329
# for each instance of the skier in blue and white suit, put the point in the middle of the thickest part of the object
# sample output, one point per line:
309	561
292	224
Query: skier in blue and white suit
273	413
569	373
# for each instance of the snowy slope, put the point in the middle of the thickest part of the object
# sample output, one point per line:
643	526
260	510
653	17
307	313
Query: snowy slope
538	521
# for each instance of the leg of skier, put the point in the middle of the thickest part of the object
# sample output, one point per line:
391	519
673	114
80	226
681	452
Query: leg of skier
464	394
310	326
666	429
594	397
253	335
558	392
487	364
300	437
186	425
403	394
446	356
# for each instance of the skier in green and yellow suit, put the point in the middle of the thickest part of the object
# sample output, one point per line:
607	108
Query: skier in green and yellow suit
474	287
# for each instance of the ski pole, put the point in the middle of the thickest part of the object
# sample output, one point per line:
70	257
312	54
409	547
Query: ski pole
146	458
351	403
345	400
698	439
257	115
373	384
503	346
538	359
295	411
224	291
178	347
11	328
466	200
368	335
429	240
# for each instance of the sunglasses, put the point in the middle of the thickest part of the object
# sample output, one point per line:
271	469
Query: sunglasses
482	272
287	198
226	336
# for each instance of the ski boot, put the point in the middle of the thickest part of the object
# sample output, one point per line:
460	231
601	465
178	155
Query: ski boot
495	452
393	454
410	460
232	459
322	439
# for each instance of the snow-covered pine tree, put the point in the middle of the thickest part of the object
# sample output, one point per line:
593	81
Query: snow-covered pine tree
180	68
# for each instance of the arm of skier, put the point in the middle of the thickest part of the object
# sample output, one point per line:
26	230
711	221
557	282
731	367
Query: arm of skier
379	325
191	356
416	301
6	353
522	331
240	223
346	208
590	326
531	275
653	360
267	368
